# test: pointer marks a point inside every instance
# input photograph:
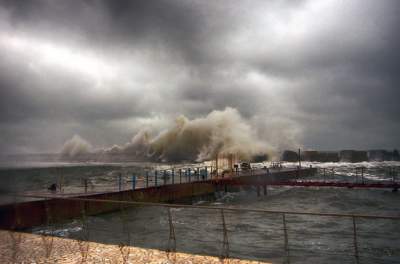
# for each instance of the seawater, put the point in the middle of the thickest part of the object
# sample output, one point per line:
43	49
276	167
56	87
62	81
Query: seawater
256	236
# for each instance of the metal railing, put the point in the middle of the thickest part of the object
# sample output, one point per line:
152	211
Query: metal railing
283	236
360	174
146	179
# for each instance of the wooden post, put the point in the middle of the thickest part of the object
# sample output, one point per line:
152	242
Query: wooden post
299	159
133	181
355	240
216	165
286	239
362	175
119	182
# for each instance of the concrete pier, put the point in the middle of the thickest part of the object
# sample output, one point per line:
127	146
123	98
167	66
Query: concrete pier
25	215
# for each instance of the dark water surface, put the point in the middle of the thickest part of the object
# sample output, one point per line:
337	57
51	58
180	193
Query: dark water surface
250	235
260	236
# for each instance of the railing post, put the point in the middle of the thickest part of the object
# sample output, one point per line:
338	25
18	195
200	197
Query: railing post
393	172
180	175
85	183
119	182
356	175
189	174
225	243
61	182
165	177
362	175
171	239
147	179
355	240
133	181
286	239
155	177
173	176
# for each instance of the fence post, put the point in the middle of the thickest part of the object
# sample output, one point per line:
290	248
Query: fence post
189	174
147	179
83	241
133	181
124	247
180	175
362	175
85	183
286	241
155	177
225	243
60	183
355	240
119	182
171	239
165	177
173	176
206	173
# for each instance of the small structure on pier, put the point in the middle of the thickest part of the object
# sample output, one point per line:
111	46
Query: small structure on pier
224	162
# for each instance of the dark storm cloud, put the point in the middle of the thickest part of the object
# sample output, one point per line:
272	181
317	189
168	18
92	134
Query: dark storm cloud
318	68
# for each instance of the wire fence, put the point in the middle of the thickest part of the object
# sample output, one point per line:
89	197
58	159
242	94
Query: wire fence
126	180
359	174
225	232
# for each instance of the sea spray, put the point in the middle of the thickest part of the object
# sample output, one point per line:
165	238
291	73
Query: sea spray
220	132
76	146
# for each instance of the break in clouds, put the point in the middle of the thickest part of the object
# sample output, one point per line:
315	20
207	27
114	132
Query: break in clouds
146	77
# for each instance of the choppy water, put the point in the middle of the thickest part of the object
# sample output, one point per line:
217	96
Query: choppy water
258	236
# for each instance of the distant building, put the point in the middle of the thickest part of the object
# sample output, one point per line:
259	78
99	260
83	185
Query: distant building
309	155
289	156
379	155
320	156
396	155
353	155
259	158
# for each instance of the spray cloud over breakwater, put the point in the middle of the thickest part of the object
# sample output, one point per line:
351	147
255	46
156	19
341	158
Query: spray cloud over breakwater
76	146
197	139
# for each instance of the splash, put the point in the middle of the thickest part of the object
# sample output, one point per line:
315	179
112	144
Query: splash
197	139
76	146
218	133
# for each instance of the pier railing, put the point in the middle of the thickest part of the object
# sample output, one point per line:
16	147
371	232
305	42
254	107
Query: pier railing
125	180
121	181
256	234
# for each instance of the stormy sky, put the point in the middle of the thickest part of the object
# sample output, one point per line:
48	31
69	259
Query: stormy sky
318	74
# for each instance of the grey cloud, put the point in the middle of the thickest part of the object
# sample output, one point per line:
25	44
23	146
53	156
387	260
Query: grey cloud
338	79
